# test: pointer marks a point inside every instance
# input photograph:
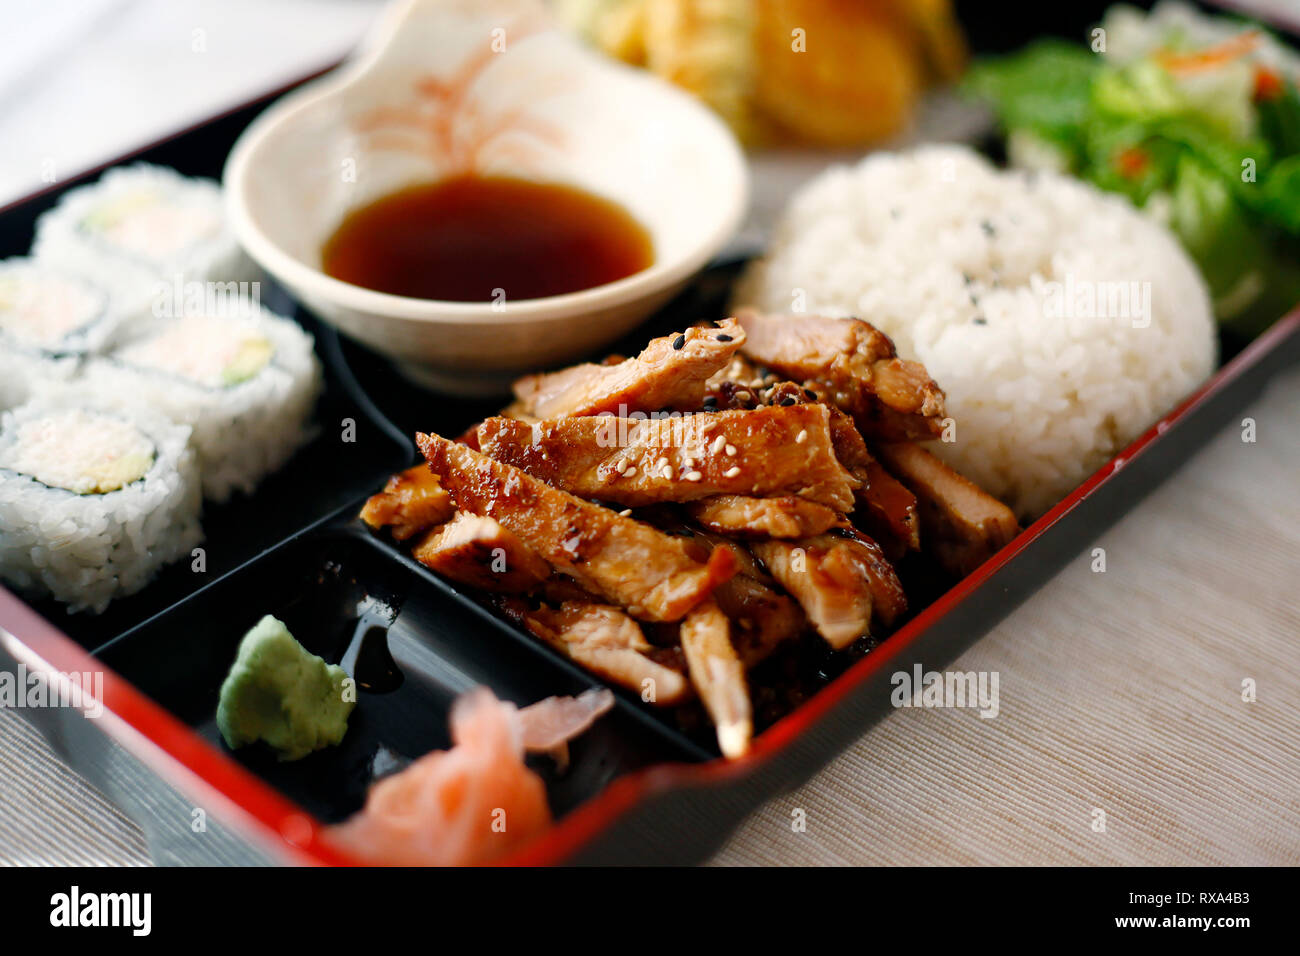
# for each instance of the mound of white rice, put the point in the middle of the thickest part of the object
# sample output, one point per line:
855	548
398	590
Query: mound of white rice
1060	322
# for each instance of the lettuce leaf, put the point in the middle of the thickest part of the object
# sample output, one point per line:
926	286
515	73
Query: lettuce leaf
1253	274
1212	225
1280	195
1045	88
1188	138
1279	121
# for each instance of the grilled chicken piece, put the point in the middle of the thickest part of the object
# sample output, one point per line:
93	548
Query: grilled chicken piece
470	436
670	373
739	385
764	452
607	642
557	589
739	371
839	579
479	552
763	617
962	524
745	517
884	507
888	600
620	559
412	501
855	364
718	677
829	585
732	396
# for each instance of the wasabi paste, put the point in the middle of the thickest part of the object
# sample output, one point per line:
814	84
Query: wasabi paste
279	692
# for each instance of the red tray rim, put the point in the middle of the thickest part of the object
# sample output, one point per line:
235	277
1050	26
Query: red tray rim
269	820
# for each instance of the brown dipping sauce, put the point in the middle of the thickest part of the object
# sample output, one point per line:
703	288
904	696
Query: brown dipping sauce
460	239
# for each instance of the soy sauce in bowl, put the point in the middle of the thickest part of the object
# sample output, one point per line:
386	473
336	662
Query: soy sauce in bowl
487	239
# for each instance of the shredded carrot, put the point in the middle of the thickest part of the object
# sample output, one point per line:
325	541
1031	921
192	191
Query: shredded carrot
1225	52
1268	85
1131	162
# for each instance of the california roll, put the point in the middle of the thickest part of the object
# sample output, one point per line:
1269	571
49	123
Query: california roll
245	383
140	227
92	502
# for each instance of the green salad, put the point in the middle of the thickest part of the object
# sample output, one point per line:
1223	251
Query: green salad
1195	119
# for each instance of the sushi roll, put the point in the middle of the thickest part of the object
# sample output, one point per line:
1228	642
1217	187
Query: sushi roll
92	503
246	385
142	225
23	375
49	319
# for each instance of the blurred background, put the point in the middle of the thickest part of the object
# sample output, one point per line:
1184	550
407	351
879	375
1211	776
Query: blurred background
85	80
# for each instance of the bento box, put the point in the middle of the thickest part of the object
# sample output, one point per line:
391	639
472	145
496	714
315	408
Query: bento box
641	785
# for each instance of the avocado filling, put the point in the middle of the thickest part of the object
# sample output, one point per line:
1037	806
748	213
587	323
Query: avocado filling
148	225
80	451
209	351
39	310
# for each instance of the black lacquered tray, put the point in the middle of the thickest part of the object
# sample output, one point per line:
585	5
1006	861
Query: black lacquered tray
642	786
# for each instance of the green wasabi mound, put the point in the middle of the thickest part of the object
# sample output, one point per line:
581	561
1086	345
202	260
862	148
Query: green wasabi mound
280	692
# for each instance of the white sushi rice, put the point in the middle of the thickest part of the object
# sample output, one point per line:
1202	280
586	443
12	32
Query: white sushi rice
85	549
136	325
49	319
241	431
985	277
24	375
141	226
